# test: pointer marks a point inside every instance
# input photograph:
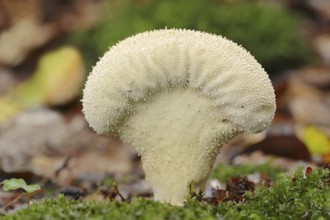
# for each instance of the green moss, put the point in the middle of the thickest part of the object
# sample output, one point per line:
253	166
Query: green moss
305	196
62	208
271	33
302	197
225	172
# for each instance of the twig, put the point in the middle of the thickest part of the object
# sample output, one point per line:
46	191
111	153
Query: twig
12	202
64	166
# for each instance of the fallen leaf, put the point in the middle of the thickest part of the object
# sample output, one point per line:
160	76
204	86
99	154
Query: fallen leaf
13	184
56	81
316	141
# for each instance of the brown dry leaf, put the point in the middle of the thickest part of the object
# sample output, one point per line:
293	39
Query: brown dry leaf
4	18
81	14
24	36
236	187
29	134
321	6
114	160
30	24
24	30
282	146
40	140
20	9
322	45
7	80
308	97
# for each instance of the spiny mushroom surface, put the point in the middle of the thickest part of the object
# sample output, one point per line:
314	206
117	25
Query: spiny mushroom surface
177	96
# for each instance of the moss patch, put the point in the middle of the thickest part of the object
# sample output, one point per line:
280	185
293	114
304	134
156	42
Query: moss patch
270	32
61	208
306	195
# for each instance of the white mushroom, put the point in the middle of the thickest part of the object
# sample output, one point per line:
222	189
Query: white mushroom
177	96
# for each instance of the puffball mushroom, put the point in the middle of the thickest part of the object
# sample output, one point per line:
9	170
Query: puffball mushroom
177	96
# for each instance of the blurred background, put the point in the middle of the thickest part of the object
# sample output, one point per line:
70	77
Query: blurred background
48	47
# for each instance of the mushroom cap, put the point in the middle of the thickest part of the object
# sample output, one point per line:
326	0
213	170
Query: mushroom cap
148	63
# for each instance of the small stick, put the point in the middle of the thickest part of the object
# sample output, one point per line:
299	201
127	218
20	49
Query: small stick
12	202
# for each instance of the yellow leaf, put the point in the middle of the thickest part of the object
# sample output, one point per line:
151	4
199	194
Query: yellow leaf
56	81
316	141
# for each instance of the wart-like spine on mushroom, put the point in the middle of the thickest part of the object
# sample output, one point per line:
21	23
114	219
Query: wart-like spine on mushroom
177	96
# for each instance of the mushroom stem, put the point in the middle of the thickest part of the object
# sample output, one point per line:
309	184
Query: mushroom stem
178	133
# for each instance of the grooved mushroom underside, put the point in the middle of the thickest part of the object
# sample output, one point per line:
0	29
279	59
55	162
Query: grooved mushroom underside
177	96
